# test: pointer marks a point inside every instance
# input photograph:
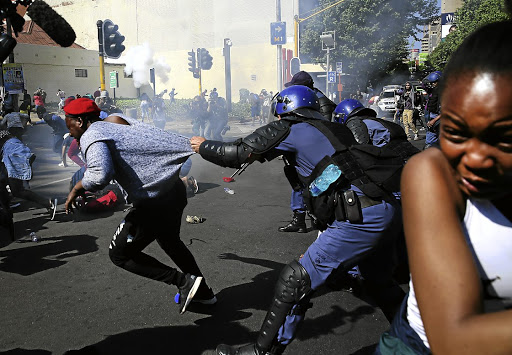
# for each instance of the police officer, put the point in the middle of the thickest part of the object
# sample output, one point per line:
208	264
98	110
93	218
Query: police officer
298	222
368	129
359	225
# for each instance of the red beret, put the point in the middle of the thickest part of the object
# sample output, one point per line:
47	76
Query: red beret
81	106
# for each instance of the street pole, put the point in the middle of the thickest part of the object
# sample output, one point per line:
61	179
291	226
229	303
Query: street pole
14	97
227	71
327	75
279	51
102	61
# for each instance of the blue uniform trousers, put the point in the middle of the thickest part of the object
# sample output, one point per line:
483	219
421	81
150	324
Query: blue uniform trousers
344	245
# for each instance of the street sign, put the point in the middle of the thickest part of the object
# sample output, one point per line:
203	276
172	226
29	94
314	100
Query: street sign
339	67
331	77
278	33
114	83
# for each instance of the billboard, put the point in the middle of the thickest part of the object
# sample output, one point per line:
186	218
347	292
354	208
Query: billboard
448	23
13	78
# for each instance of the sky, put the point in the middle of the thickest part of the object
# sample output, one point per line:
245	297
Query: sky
418	44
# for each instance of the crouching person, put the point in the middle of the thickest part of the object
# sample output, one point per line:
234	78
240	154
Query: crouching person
146	162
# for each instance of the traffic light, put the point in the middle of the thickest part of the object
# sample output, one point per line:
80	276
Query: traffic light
205	60
196	73
112	40
192	61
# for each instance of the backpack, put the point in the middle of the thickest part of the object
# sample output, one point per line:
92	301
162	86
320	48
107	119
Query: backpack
374	170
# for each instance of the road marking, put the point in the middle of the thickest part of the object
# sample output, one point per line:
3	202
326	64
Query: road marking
50	183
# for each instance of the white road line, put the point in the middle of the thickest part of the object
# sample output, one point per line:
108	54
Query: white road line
50	183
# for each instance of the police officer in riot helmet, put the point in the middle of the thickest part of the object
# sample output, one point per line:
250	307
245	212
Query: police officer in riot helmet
368	129
298	222
303	78
359	221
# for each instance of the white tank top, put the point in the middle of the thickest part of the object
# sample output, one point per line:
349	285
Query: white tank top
489	235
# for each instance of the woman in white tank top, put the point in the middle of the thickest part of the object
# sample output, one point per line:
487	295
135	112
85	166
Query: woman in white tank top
460	252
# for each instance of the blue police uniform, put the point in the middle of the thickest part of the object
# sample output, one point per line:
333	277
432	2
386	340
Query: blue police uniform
343	243
341	246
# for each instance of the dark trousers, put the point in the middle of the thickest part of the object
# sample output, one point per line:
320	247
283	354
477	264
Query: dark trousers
158	220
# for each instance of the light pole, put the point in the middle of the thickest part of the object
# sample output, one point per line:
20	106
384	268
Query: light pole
227	70
327	44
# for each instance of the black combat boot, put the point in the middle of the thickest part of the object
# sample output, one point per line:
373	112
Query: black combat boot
297	224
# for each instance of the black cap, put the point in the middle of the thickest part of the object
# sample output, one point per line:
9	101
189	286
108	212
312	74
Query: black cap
301	78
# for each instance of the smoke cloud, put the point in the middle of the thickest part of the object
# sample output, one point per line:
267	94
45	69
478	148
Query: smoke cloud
139	60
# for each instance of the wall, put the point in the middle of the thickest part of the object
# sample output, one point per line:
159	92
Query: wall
53	68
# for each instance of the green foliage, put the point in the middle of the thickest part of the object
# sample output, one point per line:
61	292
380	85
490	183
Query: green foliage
472	15
371	35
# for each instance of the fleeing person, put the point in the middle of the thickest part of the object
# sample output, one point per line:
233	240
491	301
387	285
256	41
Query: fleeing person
16	171
145	161
459	252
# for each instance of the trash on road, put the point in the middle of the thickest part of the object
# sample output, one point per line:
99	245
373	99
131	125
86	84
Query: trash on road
228	179
34	237
229	191
194	219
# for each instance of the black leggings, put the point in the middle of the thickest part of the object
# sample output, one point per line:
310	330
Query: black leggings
141	226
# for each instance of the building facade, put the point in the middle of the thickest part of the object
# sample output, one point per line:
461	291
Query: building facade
172	28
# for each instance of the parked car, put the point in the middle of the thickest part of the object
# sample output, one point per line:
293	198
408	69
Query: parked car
386	103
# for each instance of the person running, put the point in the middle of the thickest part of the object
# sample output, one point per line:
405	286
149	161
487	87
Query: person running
16	171
459	252
146	162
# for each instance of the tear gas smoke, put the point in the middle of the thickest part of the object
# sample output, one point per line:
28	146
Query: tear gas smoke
139	60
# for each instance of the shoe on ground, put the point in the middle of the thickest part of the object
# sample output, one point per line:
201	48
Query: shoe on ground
296	225
188	291
416	137
193	183
52	209
61	163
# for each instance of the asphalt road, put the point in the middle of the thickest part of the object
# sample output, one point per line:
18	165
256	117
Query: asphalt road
63	293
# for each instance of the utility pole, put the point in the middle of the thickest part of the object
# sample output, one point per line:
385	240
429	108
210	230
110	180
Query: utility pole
101	54
279	51
227	71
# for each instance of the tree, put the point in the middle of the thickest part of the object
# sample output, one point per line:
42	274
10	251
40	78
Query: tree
371	35
472	15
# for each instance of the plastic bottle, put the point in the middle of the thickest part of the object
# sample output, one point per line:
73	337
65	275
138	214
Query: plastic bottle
34	237
229	191
322	183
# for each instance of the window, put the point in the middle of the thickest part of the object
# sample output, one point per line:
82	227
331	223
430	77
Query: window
127	75
80	73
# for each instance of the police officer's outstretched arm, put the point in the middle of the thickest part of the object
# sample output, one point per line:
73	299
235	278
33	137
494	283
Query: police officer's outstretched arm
256	146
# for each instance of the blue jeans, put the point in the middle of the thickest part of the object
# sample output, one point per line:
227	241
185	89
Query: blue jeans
433	132
401	335
16	158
